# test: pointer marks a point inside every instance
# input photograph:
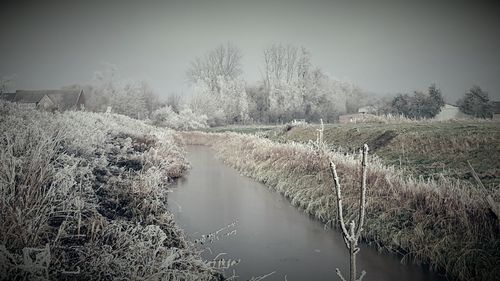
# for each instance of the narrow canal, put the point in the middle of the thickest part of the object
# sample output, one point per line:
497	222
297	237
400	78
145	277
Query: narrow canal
262	230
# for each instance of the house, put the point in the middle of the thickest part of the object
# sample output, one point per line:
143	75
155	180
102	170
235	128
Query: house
370	109
496	110
52	100
7	96
356	117
299	121
364	114
449	112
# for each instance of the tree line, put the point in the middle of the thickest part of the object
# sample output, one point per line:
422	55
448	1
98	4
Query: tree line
291	87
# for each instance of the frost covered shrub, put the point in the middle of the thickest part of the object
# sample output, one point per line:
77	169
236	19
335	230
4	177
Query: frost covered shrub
184	120
84	197
227	103
165	117
205	102
191	120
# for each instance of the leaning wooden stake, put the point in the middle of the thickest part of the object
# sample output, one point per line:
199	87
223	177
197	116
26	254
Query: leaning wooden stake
320	144
351	235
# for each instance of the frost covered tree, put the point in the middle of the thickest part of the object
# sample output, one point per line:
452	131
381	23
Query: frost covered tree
327	98
228	105
151	100
175	101
223	61
218	91
123	96
135	99
280	64
184	120
297	89
258	104
286	77
284	101
233	99
129	100
285	65
354	96
165	117
205	102
190	120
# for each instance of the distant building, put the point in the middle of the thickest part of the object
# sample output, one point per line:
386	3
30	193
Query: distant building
51	100
364	114
449	112
370	109
299	122
496	110
356	117
7	96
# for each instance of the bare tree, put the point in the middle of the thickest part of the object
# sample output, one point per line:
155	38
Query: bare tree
287	79
174	100
152	101
351	235
223	61
133	98
280	64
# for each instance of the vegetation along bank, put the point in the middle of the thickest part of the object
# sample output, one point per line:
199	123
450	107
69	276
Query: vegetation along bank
444	222
422	148
83	197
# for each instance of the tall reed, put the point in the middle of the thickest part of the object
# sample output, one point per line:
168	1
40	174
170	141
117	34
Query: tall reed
83	197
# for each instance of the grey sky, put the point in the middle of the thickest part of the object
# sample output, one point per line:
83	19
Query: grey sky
382	46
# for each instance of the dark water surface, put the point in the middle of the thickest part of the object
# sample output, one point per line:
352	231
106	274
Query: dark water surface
270	234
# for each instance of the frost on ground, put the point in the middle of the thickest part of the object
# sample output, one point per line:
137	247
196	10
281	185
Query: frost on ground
83	196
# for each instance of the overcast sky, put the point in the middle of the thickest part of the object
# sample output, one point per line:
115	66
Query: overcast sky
382	46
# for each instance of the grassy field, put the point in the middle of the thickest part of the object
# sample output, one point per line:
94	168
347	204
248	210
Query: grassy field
243	129
427	149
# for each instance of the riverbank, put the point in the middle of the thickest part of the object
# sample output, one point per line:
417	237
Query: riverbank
423	148
445	223
84	197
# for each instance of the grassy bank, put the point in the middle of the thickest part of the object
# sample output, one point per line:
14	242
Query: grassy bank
444	222
83	197
427	149
244	129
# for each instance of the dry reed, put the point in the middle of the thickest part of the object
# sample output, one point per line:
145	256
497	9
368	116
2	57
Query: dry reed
83	197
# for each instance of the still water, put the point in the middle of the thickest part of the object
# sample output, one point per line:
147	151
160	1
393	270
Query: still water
264	232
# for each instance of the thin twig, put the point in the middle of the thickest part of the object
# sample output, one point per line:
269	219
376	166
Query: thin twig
340	274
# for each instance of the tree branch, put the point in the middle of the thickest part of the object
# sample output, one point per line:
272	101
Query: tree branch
362	200
340	274
333	170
